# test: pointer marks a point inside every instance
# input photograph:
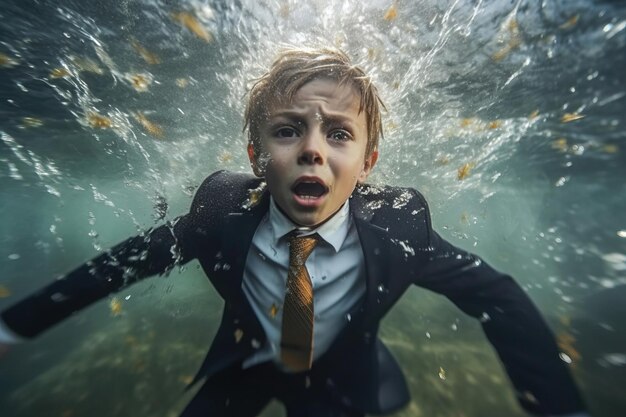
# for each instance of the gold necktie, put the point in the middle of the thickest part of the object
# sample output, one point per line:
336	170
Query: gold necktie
296	344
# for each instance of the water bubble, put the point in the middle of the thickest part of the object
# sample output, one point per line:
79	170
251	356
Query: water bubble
14	256
615	359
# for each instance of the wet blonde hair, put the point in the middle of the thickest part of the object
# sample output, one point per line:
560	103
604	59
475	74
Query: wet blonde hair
292	69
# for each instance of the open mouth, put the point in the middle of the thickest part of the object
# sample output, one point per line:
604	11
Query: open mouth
309	188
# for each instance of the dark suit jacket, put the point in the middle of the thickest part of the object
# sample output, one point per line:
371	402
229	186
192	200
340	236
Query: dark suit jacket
400	248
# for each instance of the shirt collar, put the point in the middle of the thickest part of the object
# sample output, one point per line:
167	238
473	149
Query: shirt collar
333	231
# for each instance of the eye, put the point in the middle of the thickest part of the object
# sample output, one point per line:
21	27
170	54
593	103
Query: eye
286	132
340	135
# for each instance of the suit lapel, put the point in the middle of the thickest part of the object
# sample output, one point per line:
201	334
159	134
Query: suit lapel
376	252
237	233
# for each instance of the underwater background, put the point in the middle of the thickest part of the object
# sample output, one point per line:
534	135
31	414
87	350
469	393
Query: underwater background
509	116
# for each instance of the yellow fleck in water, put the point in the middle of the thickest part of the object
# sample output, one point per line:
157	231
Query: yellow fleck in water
467	122
59	73
149	126
570	117
464	171
189	21
98	121
4	292
391	13
566	342
570	23
31	122
533	115
86	64
148	56
442	373
115	305
140	82
225	157
560	144
182	82
273	310
609	148
6	61
238	335
494	124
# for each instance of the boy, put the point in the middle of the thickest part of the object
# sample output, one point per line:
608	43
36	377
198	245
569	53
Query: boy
308	259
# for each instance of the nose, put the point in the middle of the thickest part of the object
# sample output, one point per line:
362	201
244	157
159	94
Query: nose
312	151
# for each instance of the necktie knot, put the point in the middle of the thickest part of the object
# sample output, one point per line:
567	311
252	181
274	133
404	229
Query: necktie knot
300	247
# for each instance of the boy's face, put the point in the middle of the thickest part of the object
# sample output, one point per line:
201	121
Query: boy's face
312	151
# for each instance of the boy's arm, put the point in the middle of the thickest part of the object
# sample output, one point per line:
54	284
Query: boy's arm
138	257
511	322
154	252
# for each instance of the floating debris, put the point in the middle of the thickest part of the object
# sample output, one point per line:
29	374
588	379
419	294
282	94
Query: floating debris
149	126
190	21
464	171
182	82
570	117
150	57
4	292
560	144
609	148
273	310
99	121
494	124
254	196
571	22
140	82
511	28
468	121
391	13
7	61
59	73
31	122
86	65
115	305
238	335
442	373
621	233
533	115
225	157
391	126
566	341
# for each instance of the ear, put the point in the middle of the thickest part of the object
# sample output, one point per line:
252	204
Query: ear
370	161
253	161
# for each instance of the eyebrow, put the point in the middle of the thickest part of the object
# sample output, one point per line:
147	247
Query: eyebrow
327	119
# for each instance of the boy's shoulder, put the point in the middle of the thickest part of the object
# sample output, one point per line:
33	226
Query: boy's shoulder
402	211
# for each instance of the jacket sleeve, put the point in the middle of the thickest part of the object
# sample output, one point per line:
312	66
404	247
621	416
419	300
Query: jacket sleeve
510	320
156	251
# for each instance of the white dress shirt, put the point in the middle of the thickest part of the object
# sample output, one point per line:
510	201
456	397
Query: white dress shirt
336	267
